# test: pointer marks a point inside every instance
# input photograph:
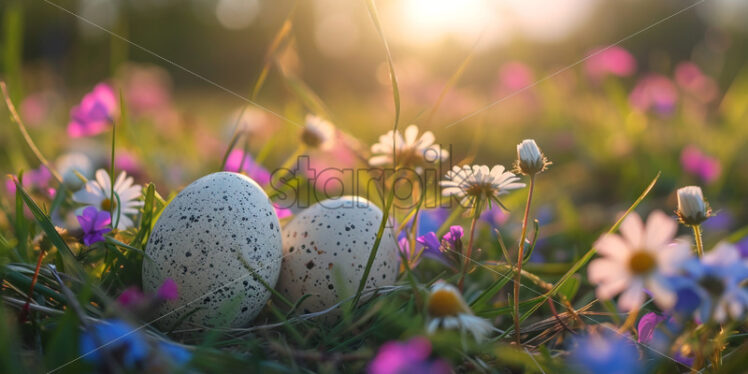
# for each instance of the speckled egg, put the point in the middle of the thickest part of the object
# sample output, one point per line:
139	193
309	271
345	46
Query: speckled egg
207	240
325	250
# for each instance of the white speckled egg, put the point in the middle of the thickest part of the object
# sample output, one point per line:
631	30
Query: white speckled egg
326	247
200	240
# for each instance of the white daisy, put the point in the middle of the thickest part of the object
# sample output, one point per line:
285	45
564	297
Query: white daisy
70	163
642	257
478	182
448	310
97	193
410	151
318	133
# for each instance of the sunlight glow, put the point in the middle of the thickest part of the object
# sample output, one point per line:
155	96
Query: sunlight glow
426	22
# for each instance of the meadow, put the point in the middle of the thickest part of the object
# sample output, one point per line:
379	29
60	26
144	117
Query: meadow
227	186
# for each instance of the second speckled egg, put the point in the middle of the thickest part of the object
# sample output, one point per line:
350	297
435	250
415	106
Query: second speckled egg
325	250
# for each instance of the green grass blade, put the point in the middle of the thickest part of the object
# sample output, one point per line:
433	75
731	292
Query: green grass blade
12	50
21	127
393	77
21	225
71	264
280	38
146	219
391	198
307	96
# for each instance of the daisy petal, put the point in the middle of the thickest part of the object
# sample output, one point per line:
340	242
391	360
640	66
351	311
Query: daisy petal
632	230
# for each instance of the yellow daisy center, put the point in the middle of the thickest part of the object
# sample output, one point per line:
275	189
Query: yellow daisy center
108	204
642	262
311	138
444	303
479	189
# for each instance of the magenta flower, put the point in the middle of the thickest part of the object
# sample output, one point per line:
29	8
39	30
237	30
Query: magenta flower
411	257
95	113
515	76
647	325
281	211
124	160
661	340
37	108
610	61
654	92
131	296
95	224
238	162
134	297
689	77
147	89
168	290
455	234
36	179
411	357
699	164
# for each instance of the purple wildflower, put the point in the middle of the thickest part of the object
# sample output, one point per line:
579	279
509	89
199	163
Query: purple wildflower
430	242
431	248
95	113
410	357
238	159
742	246
495	216
95	224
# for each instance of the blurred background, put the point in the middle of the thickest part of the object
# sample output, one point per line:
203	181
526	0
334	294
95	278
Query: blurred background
614	91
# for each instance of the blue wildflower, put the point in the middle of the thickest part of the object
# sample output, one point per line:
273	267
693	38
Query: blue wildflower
115	339
717	279
605	353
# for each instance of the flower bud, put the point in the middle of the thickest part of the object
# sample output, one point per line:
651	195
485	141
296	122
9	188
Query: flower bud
318	133
530	160
692	209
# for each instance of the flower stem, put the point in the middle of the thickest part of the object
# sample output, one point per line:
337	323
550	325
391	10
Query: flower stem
630	320
520	255
699	243
469	251
25	312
